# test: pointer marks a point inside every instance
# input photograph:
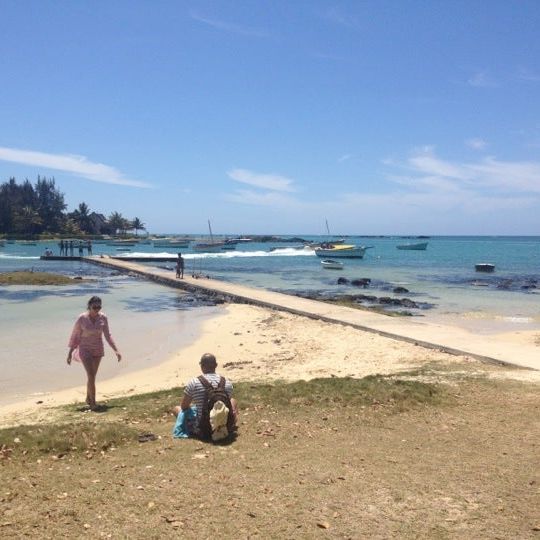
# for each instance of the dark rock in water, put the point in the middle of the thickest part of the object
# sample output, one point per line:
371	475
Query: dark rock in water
402	302
528	286
362	282
400	290
506	284
342	281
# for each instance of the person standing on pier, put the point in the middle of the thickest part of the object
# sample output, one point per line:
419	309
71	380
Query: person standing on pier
86	345
70	248
61	246
180	267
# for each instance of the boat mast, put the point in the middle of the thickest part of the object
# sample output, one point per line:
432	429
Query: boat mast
211	236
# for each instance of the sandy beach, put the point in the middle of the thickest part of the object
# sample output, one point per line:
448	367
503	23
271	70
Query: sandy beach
258	344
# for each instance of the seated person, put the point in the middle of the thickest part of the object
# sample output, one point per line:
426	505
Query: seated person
193	401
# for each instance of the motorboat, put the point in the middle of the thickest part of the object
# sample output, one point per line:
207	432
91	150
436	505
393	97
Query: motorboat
484	267
330	264
418	246
341	251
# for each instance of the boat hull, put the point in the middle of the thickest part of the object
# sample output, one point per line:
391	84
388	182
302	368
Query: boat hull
333	253
329	264
420	246
484	267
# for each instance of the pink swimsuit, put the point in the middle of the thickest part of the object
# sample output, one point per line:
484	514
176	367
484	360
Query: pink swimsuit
86	336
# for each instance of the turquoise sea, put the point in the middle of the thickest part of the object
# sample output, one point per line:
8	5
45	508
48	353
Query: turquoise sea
442	278
35	321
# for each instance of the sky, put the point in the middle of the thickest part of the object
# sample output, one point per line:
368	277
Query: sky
380	117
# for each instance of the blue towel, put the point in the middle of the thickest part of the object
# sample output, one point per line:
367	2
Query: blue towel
184	423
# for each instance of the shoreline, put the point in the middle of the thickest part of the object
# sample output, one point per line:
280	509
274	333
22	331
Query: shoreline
261	345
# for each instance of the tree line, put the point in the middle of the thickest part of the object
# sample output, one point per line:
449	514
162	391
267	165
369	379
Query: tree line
31	210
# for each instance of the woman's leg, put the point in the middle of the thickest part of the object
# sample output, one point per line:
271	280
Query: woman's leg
91	366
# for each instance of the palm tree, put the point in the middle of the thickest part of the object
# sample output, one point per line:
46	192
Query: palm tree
82	217
117	222
138	225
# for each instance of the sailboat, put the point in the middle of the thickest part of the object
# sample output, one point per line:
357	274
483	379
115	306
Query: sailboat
213	245
336	248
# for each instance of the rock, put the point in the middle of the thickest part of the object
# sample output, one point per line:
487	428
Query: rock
400	290
342	281
361	282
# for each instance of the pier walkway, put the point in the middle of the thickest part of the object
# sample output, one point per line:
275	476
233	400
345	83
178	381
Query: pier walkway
493	349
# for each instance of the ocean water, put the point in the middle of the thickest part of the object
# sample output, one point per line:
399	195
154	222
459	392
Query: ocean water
442	279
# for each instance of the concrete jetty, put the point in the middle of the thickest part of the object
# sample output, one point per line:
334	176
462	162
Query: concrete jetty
452	340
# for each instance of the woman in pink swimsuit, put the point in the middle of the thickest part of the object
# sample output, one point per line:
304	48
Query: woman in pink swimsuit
86	344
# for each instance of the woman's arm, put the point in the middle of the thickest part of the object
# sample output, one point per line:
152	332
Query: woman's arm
110	340
75	339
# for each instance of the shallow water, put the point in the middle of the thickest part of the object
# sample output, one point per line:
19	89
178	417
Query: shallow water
148	323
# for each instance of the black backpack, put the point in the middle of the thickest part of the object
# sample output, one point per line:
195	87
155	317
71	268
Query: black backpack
212	396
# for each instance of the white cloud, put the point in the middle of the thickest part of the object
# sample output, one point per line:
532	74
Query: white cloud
273	182
482	79
476	143
344	157
488	175
229	27
78	165
268	198
526	74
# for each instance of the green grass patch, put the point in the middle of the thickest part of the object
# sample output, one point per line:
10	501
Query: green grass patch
61	439
33	278
371	390
123	418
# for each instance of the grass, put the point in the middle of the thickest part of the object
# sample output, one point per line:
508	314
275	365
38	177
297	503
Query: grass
33	278
378	457
124	415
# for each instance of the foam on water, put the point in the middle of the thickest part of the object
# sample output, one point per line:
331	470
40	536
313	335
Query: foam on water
280	252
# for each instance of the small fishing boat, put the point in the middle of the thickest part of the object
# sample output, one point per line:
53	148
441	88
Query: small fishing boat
213	245
418	246
484	267
330	264
341	251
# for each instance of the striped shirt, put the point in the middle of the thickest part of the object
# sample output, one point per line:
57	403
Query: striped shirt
196	391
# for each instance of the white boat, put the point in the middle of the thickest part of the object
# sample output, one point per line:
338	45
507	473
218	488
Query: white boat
330	264
341	251
418	246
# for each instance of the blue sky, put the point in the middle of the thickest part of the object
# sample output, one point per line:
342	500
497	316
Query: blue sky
384	117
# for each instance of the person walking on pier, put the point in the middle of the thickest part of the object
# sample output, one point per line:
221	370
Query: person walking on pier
86	345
